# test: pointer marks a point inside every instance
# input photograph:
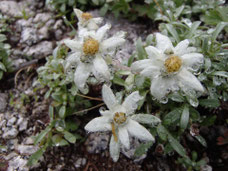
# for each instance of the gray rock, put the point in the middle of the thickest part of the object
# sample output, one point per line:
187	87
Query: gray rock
43	33
58	34
16	63
11	121
22	23
3	101
29	36
11	8
97	142
80	162
18	163
23	125
28	141
130	153
58	24
10	156
50	23
26	149
42	17
11	144
10	133
42	49
2	121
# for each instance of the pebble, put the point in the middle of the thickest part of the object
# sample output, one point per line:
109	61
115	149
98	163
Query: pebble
80	162
3	101
44	48
11	8
11	121
10	133
29	36
18	163
42	17
26	149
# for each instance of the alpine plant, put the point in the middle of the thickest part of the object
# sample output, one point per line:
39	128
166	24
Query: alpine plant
122	121
170	68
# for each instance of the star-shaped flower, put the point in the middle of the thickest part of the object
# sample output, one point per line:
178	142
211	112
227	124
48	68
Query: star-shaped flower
86	20
169	68
89	55
121	120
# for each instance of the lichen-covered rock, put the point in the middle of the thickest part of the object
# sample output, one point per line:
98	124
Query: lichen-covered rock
11	8
3	101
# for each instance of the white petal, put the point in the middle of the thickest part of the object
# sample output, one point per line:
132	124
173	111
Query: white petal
163	42
124	137
130	102
161	86
187	79
181	47
99	124
140	65
105	112
146	119
108	97
72	59
153	52
192	60
101	68
81	74
151	72
73	45
138	131
98	20
102	31
112	43
78	13
114	149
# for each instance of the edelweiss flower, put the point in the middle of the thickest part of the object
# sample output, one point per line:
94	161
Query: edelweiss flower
86	20
120	119
88	55
169	67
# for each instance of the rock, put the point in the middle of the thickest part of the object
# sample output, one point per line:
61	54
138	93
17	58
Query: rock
42	49
16	63
3	101
10	156
28	141
23	126
58	34
22	23
58	24
43	33
29	36
130	153
11	121
11	144
80	162
10	133
11	8
42	17
97	142
26	149
2	121
18	163
50	23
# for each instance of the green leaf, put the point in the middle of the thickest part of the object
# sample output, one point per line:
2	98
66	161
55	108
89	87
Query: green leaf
51	113
130	60
34	158
140	49
172	116
69	137
58	140
179	11
62	112
220	73
193	28
210	103
208	121
184	118
2	67
218	29
104	9
162	132
42	134
119	81
173	32
176	146
146	119
142	149
201	140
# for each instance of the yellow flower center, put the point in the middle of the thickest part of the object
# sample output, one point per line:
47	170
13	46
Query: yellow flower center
90	46
173	64
120	117
86	16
